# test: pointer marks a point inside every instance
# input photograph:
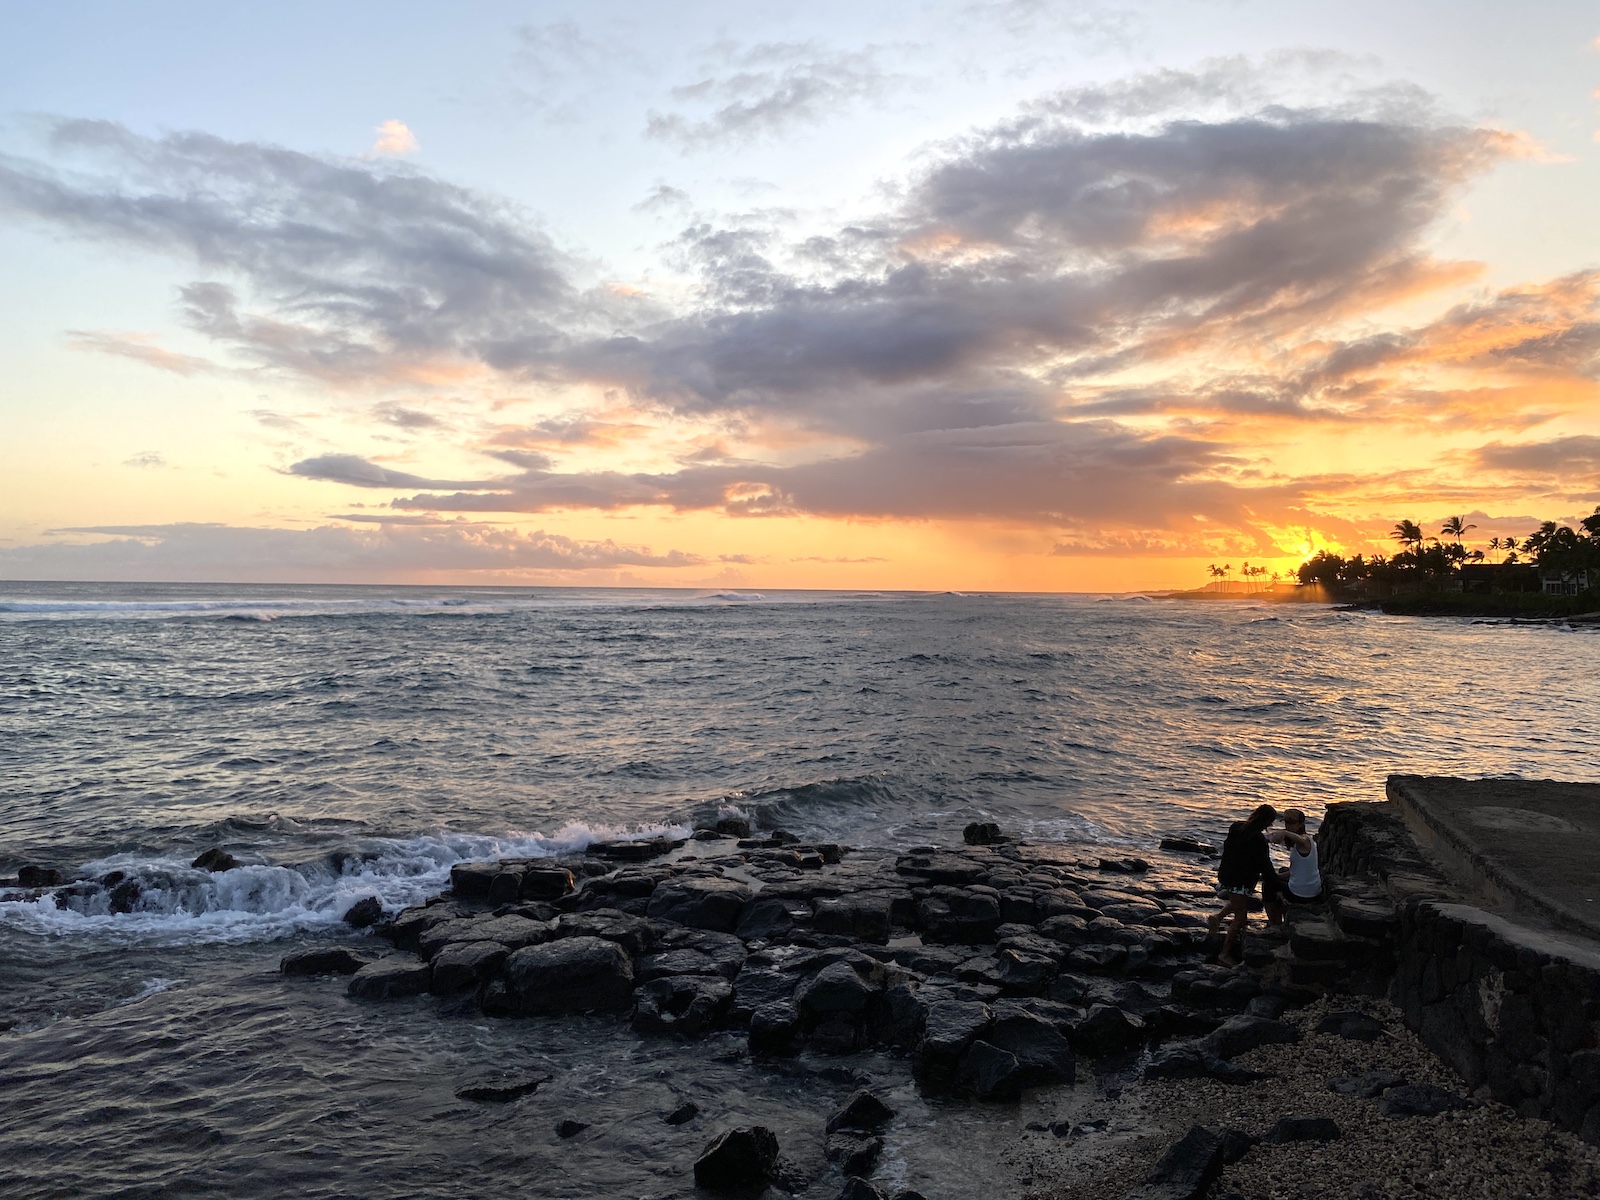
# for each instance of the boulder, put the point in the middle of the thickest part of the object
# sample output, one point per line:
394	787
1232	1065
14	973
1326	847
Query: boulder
738	1160
471	881
570	1128
708	902
1123	866
682	1115
1236	1143
364	913
546	883
949	1028
755	986
214	859
838	990
324	960
854	1153
632	933
1043	1055
771	920
1187	1170
967	918
863	1112
570	975
856	1188
408	928
685	1005
1239	1034
736	827
1356	1026
1419	1100
390	979
989	1072
505	888
1106	1029
1305	1129
982	833
1188	845
462	966
775	1028
32	875
511	931
1065	928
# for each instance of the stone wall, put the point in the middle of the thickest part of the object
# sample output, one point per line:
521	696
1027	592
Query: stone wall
1513	1009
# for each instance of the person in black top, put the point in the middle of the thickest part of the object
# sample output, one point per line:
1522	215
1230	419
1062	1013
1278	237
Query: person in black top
1246	861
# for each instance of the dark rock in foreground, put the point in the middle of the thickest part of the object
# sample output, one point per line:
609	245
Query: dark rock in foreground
863	1111
1356	1026
570	1128
571	975
1187	1170
33	875
683	1114
364	913
738	1160
390	979
327	960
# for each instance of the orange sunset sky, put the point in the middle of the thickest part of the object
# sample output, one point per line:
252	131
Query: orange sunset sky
982	296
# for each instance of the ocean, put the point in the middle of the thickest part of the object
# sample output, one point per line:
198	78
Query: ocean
346	742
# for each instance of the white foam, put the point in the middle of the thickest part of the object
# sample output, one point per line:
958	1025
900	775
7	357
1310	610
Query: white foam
179	904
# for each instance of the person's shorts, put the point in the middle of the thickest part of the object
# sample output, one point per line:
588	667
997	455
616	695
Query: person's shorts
1291	898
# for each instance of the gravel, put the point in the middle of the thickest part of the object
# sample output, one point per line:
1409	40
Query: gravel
1481	1151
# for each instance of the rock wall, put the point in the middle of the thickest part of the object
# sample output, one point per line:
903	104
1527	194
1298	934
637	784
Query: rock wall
1514	1010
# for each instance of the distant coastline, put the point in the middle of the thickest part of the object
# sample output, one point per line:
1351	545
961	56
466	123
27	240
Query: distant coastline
1511	605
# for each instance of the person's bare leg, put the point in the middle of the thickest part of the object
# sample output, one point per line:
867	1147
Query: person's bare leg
1239	909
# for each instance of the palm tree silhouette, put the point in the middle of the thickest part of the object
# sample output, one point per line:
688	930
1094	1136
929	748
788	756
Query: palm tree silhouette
1454	528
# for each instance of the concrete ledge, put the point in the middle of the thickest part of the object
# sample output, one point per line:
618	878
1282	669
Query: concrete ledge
1527	847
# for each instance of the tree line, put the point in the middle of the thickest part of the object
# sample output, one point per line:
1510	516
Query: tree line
1551	547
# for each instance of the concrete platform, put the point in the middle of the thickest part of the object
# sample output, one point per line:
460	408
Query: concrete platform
1527	847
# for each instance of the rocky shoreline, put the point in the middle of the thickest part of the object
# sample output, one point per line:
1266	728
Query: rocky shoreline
997	971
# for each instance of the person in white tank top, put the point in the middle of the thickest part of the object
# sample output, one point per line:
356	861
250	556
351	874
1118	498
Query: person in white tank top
1302	881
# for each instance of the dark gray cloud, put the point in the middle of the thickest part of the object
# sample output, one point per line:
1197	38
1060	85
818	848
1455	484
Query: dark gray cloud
355	471
766	89
1576	456
230	552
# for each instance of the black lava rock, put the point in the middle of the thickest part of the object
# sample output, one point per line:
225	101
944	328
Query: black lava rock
1107	1029
571	975
855	1154
32	875
1188	845
325	960
364	913
570	1128
738	1160
981	833
215	859
863	1112
1187	1170
683	1114
390	979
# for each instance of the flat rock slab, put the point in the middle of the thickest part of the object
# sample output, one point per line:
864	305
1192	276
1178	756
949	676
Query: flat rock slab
391	979
1530	844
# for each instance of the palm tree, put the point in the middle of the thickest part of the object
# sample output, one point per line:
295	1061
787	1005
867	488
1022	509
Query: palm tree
1454	528
1409	534
1216	571
1494	543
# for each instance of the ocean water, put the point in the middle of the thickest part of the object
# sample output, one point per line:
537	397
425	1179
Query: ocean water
352	742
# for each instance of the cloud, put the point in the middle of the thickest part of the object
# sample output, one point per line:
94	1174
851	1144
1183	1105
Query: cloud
406	418
358	272
768	89
355	471
226	552
1578	455
145	460
140	347
394	138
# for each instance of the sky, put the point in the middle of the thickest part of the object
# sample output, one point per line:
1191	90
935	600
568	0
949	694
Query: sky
979	294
